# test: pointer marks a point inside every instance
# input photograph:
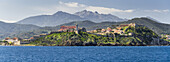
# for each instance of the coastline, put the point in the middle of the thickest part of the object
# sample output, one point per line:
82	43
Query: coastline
81	46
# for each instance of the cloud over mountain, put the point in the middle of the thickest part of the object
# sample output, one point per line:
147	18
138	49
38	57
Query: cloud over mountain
72	7
124	9
7	21
62	17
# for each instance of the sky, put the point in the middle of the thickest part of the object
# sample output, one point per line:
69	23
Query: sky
15	10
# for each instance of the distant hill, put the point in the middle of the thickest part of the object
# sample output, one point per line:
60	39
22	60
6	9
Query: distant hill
7	29
63	17
157	27
152	19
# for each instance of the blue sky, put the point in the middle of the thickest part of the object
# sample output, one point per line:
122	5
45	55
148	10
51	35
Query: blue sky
15	10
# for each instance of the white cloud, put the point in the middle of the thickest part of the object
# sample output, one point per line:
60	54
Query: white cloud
159	11
106	10
7	21
72	7
72	4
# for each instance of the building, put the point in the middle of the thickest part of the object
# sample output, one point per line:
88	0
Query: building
94	31
75	29
14	40
103	30
168	37
119	28
67	28
131	24
118	31
109	29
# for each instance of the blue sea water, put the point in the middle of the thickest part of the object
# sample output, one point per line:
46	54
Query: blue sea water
85	54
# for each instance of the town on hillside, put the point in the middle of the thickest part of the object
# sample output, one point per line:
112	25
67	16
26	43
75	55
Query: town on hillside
108	32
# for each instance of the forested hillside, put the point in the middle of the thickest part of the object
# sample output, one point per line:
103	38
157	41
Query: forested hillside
8	29
142	36
159	28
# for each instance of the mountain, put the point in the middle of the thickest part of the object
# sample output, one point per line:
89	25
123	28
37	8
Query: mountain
96	17
159	28
63	17
7	29
153	19
50	20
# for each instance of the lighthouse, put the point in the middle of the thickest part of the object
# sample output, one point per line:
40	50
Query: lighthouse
77	29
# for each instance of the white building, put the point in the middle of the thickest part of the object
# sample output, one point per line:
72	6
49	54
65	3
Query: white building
168	36
14	40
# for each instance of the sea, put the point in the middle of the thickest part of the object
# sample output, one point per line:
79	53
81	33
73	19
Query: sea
84	53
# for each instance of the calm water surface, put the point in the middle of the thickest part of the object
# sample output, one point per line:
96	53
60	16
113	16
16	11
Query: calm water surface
84	54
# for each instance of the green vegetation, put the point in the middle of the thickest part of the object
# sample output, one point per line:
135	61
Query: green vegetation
164	37
11	29
141	36
72	39
5	43
159	28
24	31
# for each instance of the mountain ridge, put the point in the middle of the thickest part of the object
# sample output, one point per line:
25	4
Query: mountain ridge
159	28
96	17
7	29
61	17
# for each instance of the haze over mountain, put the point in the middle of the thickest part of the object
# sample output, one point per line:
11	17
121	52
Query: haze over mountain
26	31
50	20
157	27
63	17
153	19
7	29
96	17
12	27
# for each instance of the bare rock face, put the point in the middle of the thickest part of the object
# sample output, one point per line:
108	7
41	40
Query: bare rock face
96	17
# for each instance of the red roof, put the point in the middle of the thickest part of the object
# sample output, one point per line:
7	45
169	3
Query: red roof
15	38
32	38
66	27
123	25
7	38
